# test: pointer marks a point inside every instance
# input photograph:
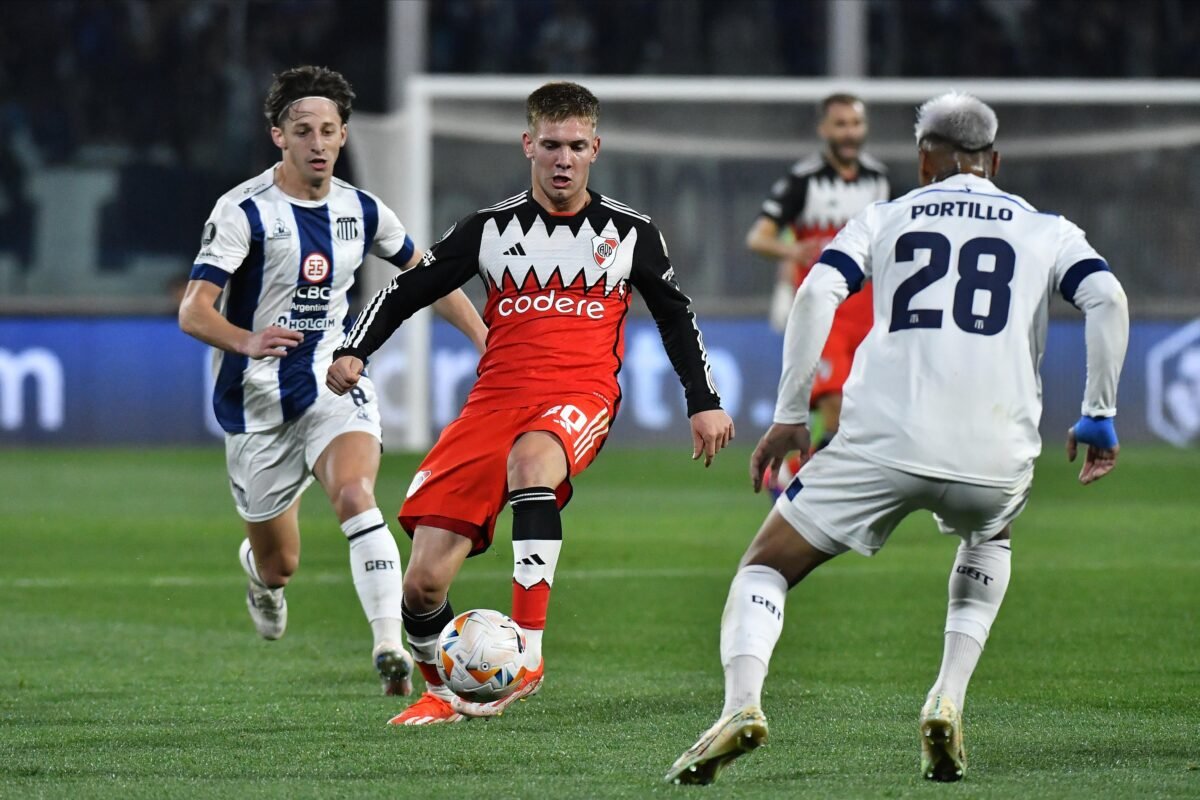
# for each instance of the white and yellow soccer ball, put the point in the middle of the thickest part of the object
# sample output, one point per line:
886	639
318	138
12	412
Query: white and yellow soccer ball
481	655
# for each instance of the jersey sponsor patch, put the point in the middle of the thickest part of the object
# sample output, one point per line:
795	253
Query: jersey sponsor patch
210	233
316	267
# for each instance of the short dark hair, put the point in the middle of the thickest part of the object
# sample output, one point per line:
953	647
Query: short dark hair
839	98
307	81
561	100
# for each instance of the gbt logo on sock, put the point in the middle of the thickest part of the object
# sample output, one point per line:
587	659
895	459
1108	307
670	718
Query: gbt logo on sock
758	599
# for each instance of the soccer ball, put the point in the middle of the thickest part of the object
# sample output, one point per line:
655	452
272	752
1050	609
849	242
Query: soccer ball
481	655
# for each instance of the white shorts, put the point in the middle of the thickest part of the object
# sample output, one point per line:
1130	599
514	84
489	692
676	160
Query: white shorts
268	470
840	501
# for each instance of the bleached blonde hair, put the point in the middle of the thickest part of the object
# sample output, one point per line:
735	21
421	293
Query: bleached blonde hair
959	119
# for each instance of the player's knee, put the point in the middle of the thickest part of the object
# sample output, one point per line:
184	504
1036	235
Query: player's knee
424	589
779	546
352	498
525	471
537	459
277	568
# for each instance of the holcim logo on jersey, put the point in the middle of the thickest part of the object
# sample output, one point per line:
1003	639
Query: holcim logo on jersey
315	268
550	302
604	250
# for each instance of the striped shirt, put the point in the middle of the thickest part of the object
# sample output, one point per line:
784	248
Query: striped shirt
285	261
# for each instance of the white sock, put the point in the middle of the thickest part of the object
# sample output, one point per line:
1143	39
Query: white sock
978	582
378	579
533	652
250	565
744	677
750	628
959	657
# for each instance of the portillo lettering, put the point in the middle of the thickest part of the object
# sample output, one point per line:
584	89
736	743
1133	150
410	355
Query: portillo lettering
962	208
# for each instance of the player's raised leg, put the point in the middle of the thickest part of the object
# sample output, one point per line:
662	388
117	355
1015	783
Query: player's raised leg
536	464
437	555
777	559
978	582
270	556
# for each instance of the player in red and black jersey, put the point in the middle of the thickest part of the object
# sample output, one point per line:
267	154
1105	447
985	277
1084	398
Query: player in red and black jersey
558	262
817	198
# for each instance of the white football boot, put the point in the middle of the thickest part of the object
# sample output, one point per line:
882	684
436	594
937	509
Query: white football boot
943	757
731	736
395	667
267	606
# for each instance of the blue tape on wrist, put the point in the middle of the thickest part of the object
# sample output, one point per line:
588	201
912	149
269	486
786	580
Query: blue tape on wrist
1097	432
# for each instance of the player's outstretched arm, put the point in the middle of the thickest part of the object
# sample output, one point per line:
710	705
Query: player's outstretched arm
711	432
779	440
1098	294
198	317
1100	436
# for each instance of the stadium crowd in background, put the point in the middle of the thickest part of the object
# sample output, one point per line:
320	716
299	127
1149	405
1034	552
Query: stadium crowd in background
136	72
117	87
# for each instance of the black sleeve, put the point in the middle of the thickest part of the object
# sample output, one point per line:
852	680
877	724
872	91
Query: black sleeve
786	201
654	278
447	265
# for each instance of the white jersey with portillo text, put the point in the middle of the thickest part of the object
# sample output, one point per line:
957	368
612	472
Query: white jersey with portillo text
288	262
946	385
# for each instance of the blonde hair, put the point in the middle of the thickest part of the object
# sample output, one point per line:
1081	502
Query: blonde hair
561	100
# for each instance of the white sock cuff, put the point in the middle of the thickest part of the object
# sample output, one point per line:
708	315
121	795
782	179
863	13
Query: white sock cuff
968	627
364	522
753	616
769	575
978	583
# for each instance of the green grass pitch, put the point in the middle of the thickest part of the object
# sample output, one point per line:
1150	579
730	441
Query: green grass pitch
128	666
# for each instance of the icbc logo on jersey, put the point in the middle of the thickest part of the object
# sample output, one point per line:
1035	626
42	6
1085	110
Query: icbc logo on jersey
604	250
315	267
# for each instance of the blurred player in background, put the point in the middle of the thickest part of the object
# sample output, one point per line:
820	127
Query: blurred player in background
268	291
813	202
942	411
558	262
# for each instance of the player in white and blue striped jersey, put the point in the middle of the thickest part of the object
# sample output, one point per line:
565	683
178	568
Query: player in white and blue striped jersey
269	292
941	413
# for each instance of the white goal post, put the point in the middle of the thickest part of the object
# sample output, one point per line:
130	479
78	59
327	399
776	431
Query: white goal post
395	154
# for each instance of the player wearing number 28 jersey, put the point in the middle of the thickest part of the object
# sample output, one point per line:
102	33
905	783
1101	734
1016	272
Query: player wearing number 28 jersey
962	274
940	412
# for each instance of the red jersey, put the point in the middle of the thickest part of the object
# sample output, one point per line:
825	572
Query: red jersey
558	290
816	201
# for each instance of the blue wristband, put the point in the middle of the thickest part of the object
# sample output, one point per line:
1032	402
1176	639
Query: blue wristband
1097	432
